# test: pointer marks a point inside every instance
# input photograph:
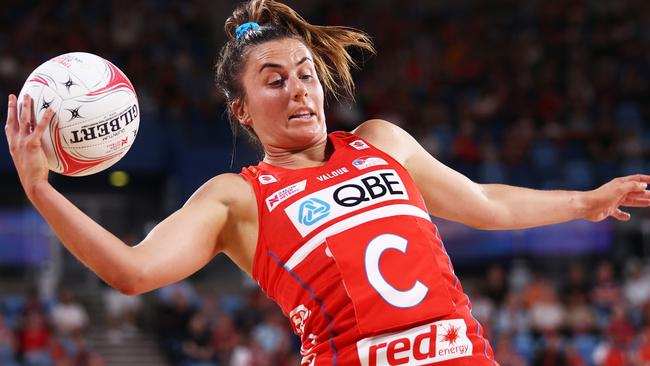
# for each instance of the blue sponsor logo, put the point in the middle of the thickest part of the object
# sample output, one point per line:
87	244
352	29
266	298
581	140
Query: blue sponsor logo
312	211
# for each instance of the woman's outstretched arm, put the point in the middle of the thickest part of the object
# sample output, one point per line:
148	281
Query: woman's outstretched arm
178	246
450	195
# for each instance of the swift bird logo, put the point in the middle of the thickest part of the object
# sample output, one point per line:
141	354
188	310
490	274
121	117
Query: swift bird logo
359	145
267	179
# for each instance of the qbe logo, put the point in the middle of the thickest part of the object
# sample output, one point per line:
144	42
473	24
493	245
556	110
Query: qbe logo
424	345
313	210
318	208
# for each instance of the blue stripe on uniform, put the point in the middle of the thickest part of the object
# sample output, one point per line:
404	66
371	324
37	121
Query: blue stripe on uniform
315	298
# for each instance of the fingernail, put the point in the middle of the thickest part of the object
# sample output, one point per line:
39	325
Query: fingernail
644	185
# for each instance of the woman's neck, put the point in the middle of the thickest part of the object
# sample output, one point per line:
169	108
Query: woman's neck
315	155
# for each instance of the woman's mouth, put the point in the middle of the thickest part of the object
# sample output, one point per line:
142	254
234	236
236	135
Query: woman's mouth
304	116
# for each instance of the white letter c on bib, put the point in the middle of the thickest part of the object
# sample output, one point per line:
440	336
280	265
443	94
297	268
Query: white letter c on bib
395	297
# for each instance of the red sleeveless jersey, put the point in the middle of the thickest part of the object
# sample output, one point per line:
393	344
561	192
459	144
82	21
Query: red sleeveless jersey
350	254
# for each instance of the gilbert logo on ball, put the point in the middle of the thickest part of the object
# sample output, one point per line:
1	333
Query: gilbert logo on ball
97	112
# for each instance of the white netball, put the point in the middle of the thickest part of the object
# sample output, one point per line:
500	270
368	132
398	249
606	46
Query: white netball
97	112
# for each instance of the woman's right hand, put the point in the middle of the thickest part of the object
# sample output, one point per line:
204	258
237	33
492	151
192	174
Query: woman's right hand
24	138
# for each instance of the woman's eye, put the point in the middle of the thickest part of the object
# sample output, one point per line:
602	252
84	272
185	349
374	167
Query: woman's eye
305	77
277	82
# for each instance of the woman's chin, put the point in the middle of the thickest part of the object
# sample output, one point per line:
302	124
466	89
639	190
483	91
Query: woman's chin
308	134
305	140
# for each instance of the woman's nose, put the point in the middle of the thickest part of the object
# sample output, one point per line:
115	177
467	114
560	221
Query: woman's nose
298	89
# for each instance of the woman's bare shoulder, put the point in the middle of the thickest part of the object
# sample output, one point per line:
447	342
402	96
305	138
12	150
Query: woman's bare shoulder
386	136
228	188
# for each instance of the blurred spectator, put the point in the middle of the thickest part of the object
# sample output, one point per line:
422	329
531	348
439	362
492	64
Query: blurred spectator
32	302
483	309
512	317
76	351
576	287
643	350
121	314
252	312
242	356
582	327
506	353
174	311
547	313
183	289
619	328
636	286
225	337
197	345
610	353
272	336
519	276
35	340
122	311
551	352
606	291
7	344
209	307
68	316
248	353
496	286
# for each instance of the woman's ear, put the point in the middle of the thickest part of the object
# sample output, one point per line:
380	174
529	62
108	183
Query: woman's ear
241	112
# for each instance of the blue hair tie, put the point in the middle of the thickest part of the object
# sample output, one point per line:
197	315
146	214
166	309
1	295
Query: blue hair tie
245	28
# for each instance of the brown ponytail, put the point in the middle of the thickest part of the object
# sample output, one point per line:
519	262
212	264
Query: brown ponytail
328	43
278	21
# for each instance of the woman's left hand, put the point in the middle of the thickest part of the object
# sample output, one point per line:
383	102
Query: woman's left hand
607	199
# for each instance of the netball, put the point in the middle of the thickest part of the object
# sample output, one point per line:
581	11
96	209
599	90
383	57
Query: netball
97	113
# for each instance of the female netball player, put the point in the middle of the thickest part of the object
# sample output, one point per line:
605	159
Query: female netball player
334	227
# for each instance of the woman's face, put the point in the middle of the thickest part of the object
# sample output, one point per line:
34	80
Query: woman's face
283	100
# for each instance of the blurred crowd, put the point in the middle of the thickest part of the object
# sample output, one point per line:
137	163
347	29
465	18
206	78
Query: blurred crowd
544	94
200	329
38	332
587	314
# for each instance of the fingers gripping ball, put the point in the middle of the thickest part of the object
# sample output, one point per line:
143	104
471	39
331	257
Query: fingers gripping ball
97	112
